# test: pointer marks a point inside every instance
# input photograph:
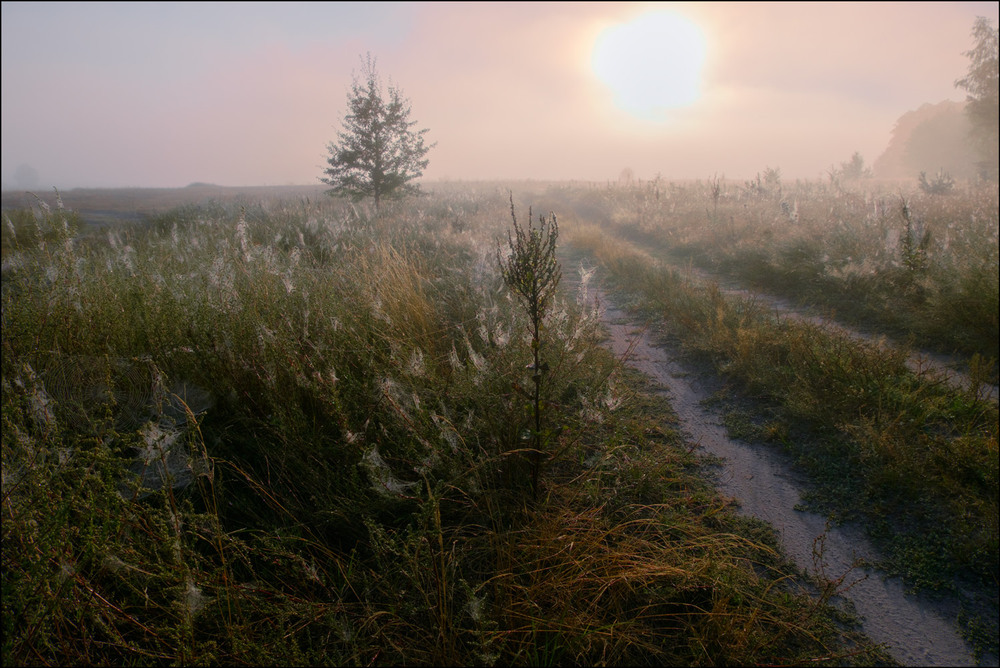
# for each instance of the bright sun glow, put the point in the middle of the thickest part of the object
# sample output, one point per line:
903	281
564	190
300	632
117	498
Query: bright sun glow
652	63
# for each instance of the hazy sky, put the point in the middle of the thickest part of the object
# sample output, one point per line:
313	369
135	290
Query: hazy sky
150	94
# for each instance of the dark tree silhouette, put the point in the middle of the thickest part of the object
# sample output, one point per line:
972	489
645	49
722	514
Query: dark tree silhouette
377	154
983	101
532	273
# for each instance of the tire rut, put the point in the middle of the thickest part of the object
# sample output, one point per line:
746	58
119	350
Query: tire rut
915	630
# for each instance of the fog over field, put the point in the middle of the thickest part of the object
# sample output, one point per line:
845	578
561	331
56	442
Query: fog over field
500	333
162	95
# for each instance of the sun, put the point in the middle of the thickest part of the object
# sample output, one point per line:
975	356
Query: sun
651	63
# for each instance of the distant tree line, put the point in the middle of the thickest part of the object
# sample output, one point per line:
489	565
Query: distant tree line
983	101
955	138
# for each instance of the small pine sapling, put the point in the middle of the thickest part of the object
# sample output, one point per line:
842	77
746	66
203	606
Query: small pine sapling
532	272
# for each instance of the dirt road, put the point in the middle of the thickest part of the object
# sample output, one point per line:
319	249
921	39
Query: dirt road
915	630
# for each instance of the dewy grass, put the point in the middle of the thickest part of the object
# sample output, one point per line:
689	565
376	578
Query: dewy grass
348	397
915	265
915	459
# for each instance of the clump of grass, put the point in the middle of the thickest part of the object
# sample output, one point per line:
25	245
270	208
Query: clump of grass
28	229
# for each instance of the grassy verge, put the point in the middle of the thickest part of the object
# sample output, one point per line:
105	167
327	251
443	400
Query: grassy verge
292	432
915	461
920	267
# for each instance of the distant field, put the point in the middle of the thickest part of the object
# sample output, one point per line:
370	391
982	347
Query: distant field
102	206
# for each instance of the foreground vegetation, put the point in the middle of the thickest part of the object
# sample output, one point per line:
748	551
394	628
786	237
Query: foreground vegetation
915	460
295	432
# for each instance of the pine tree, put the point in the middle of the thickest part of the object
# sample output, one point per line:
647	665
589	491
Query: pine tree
983	101
377	154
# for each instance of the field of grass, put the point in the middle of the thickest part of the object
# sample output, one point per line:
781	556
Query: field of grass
293	432
919	267
913	459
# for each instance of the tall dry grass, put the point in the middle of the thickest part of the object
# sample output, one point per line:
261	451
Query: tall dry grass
912	458
336	402
913	265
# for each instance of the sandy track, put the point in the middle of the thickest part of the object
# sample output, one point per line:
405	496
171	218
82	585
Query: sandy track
915	630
